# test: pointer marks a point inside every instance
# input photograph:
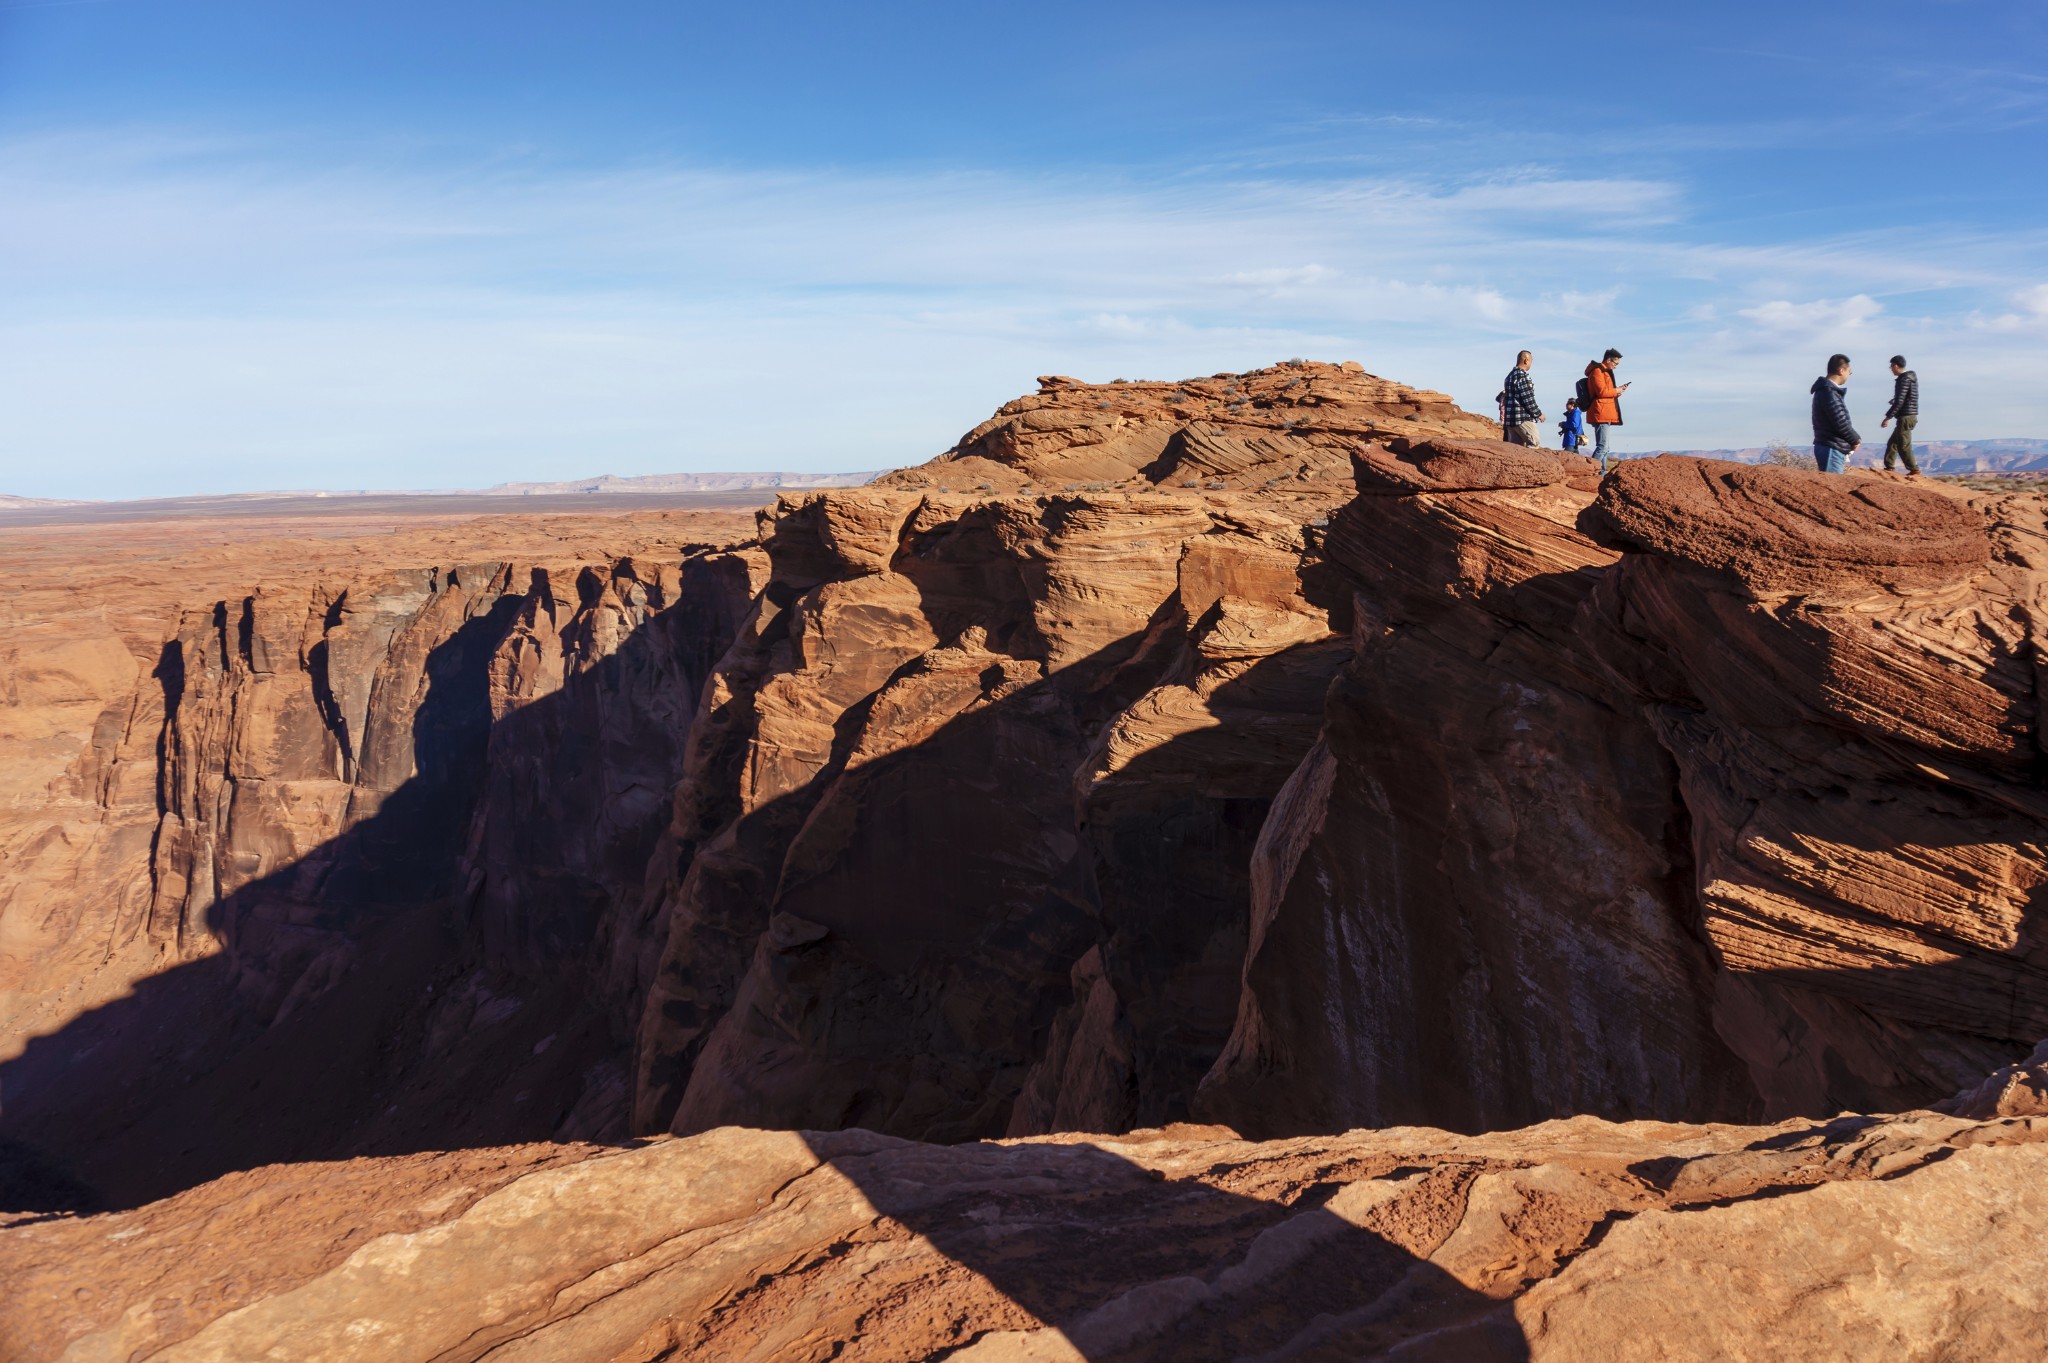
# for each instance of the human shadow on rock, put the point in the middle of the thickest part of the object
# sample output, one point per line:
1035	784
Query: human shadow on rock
1129	1264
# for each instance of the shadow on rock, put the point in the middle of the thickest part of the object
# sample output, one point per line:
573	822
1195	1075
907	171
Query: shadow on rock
352	1003
1105	1259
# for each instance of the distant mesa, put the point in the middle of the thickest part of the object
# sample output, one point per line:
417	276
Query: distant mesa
8	503
651	485
1949	457
664	483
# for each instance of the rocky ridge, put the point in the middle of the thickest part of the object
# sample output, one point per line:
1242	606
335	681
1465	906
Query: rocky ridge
1274	749
1908	1238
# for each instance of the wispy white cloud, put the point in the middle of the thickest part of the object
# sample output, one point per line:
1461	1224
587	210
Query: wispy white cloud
1614	201
1816	316
2029	314
199	312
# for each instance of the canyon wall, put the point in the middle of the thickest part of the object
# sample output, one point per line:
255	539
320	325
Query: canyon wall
1737	810
1274	749
334	862
1349	770
972	805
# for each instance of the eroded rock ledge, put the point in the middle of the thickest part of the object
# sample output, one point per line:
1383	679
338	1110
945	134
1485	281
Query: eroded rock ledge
1913	1237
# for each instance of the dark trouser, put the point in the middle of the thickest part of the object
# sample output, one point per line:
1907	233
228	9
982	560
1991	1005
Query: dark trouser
1900	446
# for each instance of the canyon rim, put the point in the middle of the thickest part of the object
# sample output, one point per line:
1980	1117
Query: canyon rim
1245	867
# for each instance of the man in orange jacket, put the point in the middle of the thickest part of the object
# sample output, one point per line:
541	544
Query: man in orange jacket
1606	399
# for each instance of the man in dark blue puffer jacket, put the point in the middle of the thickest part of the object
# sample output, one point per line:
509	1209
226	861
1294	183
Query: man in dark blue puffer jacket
1834	439
1905	409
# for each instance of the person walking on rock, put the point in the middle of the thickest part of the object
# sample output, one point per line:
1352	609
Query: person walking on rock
1601	400
1905	410
1521	420
1834	438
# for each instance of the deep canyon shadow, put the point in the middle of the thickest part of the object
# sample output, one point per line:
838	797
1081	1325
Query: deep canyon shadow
366	999
355	1004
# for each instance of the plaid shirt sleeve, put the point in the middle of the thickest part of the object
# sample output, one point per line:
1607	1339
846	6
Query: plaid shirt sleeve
1521	398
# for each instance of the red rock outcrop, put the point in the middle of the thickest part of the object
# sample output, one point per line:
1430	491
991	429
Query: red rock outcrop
1295	422
1909	1238
1515	874
1274	748
963	843
281	869
1734	806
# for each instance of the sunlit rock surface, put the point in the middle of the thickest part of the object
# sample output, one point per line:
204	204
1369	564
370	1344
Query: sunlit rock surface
1905	1238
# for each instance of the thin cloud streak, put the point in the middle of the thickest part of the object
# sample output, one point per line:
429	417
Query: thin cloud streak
203	314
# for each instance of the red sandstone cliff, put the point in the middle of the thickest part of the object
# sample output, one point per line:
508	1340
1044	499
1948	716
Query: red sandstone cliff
1736	809
1710	797
972	808
1275	749
312	866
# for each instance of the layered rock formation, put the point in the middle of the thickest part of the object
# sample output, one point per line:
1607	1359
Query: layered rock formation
1294	423
1708	798
309	867
1274	749
1912	1238
969	823
1738	808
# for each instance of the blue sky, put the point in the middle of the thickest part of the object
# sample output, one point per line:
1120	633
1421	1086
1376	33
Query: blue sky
257	245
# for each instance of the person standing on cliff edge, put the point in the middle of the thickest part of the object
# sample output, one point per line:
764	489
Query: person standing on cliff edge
1905	409
1521	420
1834	438
1601	400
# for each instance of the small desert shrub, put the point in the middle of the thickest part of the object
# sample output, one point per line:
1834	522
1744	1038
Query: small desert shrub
1784	456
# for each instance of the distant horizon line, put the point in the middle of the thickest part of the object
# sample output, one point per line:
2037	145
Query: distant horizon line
654	485
596	484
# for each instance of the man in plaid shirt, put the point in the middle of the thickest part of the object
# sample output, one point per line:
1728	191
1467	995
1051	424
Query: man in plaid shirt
1521	420
1905	409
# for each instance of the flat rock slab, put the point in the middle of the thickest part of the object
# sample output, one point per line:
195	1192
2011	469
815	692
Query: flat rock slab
1906	1238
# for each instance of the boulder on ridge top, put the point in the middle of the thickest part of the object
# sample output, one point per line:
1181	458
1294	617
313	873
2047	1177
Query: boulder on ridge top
1791	531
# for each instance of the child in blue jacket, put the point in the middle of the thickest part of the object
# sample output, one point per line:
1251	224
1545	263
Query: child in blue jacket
1573	427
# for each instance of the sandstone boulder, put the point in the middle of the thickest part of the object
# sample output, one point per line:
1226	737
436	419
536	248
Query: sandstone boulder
1783	531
